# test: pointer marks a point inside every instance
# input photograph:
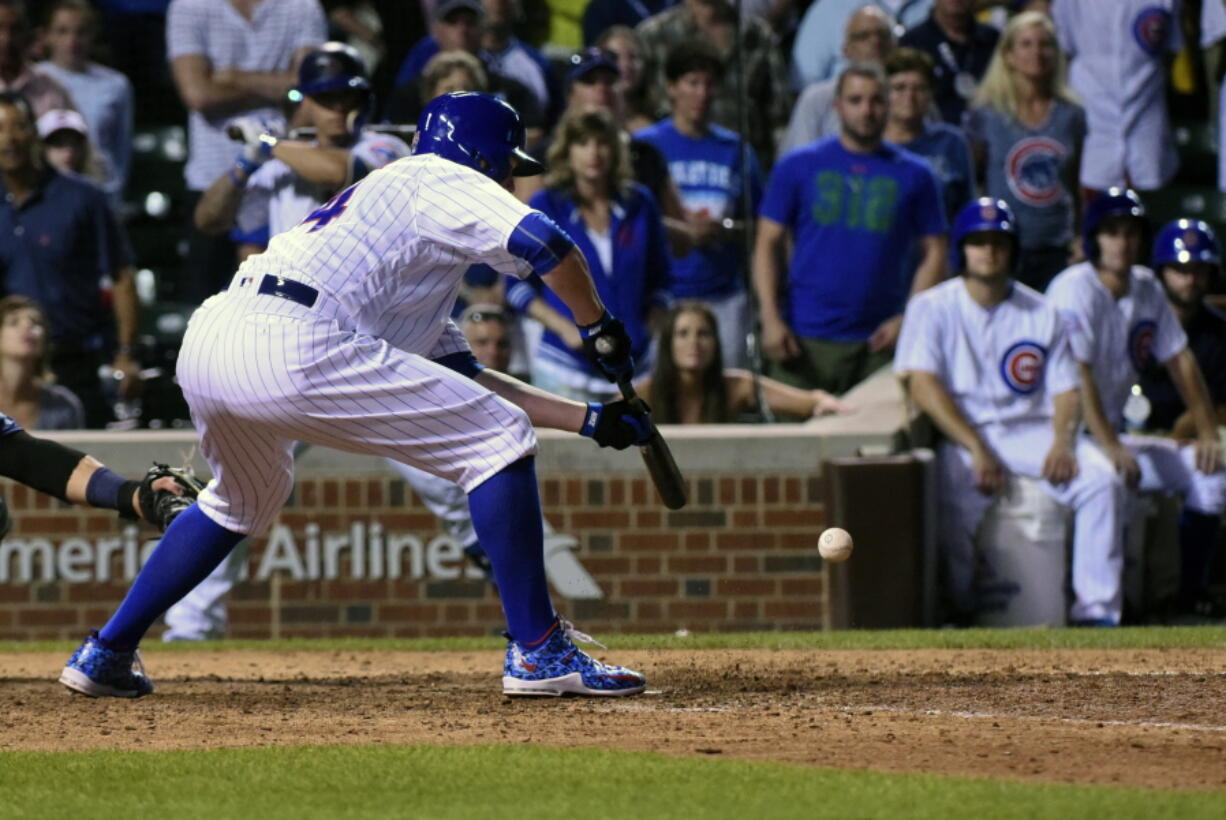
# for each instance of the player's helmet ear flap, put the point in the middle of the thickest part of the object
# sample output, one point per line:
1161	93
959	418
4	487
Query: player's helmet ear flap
334	67
1186	240
476	130
1109	203
982	214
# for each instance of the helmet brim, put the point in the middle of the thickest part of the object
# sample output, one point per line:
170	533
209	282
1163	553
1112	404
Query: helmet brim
525	166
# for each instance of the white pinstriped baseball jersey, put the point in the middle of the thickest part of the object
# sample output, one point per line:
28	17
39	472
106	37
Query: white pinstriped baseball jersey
340	352
277	196
391	249
1000	365
1118	54
1116	338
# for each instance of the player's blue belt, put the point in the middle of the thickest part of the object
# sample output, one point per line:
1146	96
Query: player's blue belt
304	295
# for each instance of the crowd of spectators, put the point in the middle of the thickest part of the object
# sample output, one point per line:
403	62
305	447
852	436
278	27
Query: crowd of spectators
788	172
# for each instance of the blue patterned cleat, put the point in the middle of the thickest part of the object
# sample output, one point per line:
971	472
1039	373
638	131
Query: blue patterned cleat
100	672
557	667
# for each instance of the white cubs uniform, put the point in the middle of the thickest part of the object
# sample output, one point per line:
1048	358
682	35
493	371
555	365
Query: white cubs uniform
278	197
1117	339
1117	50
1002	366
329	336
1213	29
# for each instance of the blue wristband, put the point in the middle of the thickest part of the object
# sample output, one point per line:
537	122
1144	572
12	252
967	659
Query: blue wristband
591	418
588	331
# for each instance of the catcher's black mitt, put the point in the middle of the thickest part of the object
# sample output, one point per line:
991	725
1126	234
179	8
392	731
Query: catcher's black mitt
161	506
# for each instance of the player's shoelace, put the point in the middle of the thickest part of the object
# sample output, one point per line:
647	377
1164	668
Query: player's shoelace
576	635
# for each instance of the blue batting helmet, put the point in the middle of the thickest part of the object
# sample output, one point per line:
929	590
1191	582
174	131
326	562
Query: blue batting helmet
982	214
1186	240
331	67
1104	205
476	130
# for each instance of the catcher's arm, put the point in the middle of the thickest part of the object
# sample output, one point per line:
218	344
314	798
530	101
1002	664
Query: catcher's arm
73	476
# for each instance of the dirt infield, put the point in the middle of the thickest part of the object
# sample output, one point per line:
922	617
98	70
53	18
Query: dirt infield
1154	718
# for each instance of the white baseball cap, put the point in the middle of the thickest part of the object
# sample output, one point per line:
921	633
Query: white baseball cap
59	119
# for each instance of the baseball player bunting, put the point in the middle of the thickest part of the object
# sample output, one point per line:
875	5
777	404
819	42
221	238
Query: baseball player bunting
340	335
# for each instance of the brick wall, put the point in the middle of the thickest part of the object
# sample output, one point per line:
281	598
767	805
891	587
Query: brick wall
742	555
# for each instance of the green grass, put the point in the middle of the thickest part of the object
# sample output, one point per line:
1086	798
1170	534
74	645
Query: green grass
532	782
1150	637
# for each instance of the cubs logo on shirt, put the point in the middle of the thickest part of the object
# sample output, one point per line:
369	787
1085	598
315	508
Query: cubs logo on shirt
1022	367
1141	343
1032	170
1151	29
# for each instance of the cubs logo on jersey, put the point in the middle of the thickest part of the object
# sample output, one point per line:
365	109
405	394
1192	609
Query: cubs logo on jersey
1151	29
1141	343
1032	170
1022	367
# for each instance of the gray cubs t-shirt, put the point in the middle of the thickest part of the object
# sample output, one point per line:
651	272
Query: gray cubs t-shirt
1028	168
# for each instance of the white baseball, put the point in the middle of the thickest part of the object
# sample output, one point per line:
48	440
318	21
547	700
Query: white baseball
835	545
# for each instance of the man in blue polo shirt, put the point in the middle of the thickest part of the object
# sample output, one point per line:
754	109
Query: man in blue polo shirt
706	162
859	212
60	240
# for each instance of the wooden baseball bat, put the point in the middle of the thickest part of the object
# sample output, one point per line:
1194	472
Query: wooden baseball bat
658	458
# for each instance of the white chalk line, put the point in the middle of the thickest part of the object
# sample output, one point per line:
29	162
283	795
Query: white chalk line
963	715
1139	724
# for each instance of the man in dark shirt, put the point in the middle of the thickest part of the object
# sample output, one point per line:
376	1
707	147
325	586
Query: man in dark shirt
961	48
61	241
1187	258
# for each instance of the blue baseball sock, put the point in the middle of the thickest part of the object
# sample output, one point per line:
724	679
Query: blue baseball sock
506	512
192	547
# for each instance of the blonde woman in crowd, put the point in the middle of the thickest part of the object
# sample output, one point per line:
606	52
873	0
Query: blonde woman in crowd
1026	128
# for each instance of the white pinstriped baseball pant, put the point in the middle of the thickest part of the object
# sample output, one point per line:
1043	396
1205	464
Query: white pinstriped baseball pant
260	372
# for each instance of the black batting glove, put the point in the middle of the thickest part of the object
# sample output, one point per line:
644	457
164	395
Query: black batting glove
616	424
607	346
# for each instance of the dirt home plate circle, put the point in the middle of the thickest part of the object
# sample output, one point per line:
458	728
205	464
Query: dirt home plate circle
835	545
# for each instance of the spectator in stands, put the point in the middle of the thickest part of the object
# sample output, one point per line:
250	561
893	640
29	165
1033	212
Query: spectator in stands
458	27
1118	53
450	71
961	48
709	166
592	83
280	189
65	241
988	361
27	394
17	74
67	146
867	38
767	90
858	211
1187	258
509	56
817	53
911	76
617	225
638	105
602	15
488	331
690	385
226	65
1120	323
101	94
1026	129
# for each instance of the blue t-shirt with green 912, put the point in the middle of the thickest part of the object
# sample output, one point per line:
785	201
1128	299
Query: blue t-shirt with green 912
855	220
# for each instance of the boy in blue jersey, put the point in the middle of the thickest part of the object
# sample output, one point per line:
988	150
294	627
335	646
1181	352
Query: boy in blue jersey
858	212
709	164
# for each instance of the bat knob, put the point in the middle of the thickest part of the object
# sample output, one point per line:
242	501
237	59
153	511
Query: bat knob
604	346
